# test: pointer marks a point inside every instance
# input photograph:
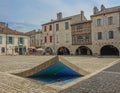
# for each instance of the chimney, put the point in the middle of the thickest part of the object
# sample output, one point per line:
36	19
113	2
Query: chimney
95	10
102	7
59	15
82	15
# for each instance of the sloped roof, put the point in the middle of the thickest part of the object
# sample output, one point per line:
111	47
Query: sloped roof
63	19
108	10
11	32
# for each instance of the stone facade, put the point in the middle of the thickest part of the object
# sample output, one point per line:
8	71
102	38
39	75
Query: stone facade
106	31
32	35
60	33
103	32
38	37
81	38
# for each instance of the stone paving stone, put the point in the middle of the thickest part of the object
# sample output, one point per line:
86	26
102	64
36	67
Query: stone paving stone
104	82
14	84
115	68
101	83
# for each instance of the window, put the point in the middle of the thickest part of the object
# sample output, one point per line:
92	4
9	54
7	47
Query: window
67	37
87	36
99	22
111	35
10	40
110	20
45	39
50	39
57	27
66	25
79	37
0	39
45	28
99	35
50	27
79	27
21	40
2	50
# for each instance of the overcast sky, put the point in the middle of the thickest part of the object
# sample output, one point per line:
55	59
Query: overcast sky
26	15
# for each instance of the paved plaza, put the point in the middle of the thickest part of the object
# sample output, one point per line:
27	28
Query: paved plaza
102	78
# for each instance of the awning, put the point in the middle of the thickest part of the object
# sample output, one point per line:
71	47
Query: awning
40	49
32	47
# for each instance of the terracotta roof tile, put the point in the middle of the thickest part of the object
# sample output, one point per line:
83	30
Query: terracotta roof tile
11	32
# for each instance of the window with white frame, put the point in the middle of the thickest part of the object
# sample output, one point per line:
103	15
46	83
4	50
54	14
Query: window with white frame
99	22
10	40
66	25
66	37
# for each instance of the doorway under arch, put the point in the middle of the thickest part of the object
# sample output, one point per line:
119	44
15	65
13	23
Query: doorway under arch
109	50
83	50
63	51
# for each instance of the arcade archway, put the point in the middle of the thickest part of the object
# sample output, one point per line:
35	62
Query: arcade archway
48	50
63	51
83	50
109	50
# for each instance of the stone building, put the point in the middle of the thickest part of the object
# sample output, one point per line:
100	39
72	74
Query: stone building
81	38
12	42
32	35
106	31
57	36
38	37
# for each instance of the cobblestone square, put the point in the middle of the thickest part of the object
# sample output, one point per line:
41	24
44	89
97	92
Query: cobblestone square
10	83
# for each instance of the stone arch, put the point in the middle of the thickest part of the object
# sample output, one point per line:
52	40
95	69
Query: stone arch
49	50
109	50
63	51
83	50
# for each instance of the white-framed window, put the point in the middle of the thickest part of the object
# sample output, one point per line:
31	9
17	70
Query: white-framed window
99	22
66	37
57	27
10	40
66	25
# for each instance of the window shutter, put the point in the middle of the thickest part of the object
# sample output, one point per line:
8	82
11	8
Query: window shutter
13	40
103	35
107	35
96	36
114	20
95	22
102	22
115	34
106	21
